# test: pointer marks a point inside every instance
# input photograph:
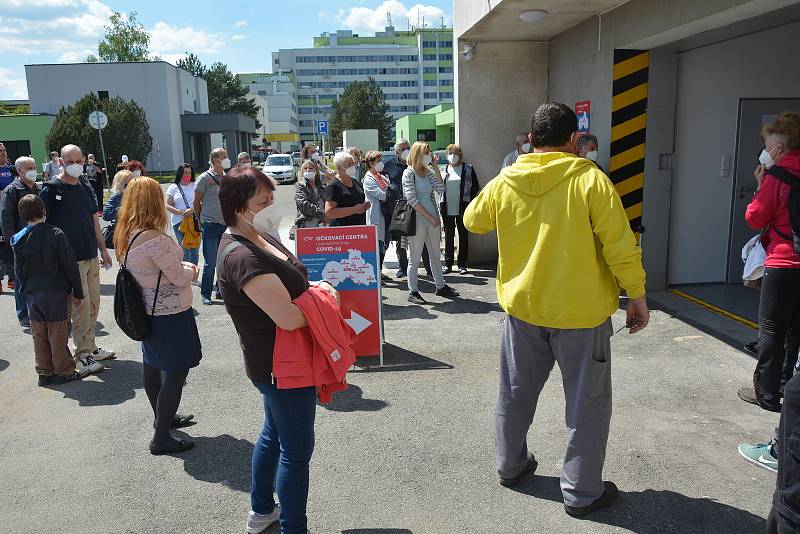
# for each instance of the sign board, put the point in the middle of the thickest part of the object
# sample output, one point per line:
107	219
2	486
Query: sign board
98	120
583	111
322	127
347	257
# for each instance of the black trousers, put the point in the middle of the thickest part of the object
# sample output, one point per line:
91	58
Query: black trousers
451	222
785	515
779	318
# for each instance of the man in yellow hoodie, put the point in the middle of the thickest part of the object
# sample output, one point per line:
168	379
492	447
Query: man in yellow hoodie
565	250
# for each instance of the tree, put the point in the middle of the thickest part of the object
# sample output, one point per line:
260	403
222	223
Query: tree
20	109
125	39
192	64
127	132
361	105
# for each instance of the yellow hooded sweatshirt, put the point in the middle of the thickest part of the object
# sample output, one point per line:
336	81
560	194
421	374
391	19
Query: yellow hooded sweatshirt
564	240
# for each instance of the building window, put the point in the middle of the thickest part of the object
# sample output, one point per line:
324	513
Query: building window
446	95
429	44
446	44
429	83
445	82
426	135
429	106
429	57
431	95
429	70
306	123
262	93
445	57
446	70
102	95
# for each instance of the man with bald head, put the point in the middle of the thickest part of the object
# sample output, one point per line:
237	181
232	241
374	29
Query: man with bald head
10	223
71	205
522	147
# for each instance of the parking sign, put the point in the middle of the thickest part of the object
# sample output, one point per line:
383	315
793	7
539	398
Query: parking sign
322	127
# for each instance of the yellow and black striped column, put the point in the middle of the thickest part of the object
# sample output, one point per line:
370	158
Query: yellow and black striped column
628	128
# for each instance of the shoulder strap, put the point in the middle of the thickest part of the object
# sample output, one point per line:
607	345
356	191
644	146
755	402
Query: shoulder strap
183	195
784	175
131	244
227	250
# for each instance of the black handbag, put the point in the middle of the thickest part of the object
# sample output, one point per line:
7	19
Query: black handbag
129	311
108	235
404	219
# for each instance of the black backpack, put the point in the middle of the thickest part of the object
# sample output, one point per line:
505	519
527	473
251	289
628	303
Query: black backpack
793	182
129	312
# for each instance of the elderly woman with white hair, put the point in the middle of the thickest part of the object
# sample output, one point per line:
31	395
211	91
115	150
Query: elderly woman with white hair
344	197
114	203
244	159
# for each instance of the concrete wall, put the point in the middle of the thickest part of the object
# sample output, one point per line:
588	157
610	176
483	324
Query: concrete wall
158	87
31	128
496	93
712	79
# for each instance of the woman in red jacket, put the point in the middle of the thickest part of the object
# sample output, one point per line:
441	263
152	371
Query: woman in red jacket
258	278
779	315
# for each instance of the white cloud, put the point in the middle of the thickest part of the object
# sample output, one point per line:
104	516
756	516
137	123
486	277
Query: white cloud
240	24
12	88
238	37
76	56
364	19
166	39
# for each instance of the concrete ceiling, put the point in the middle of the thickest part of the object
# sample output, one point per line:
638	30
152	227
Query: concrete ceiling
503	23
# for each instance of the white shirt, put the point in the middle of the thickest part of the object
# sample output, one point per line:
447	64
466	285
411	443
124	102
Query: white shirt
177	199
453	186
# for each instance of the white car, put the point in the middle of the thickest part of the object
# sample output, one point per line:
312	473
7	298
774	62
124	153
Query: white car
280	167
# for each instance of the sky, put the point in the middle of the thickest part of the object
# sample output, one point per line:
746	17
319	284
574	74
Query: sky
234	31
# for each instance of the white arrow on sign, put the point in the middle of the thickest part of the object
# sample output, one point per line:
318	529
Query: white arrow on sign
357	323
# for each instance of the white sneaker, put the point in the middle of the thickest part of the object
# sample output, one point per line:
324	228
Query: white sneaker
102	354
87	366
257	523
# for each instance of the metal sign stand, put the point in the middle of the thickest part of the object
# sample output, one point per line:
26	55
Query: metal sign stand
98	120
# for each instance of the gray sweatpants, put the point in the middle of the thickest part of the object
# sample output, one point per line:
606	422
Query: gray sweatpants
527	355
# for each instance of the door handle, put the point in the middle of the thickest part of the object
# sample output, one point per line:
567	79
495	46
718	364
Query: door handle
744	189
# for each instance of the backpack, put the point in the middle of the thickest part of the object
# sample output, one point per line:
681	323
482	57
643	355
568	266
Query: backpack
793	181
129	312
58	185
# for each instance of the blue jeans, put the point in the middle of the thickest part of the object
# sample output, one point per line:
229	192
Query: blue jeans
284	446
212	232
191	255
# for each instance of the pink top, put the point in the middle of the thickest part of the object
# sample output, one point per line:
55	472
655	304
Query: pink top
162	254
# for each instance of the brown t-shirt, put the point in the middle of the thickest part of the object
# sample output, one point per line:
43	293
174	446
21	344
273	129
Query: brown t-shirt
256	329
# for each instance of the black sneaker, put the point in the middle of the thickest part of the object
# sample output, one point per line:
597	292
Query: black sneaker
63	379
606	499
530	467
218	295
447	291
400	274
752	347
415	298
177	446
45	381
25	323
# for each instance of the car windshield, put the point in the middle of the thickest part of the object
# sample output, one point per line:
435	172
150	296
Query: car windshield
279	161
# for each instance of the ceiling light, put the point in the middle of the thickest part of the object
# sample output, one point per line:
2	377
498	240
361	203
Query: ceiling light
532	15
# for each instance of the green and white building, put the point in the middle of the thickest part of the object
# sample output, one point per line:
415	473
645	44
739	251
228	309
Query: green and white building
414	68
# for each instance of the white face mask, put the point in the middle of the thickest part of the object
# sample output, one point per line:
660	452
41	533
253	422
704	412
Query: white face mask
379	166
309	176
31	175
226	163
315	156
262	222
404	154
428	159
74	170
137	173
453	158
526	148
592	155
351	172
765	158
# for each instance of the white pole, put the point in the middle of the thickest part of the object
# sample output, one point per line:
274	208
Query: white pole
102	149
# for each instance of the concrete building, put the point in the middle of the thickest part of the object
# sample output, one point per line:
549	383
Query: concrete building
414	69
678	92
276	97
167	94
435	126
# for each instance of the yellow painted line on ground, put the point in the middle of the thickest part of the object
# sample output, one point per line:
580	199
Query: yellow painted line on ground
719	311
629	156
634	211
629	97
629	66
628	127
631	184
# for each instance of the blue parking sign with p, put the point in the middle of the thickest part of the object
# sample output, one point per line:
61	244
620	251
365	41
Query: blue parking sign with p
322	127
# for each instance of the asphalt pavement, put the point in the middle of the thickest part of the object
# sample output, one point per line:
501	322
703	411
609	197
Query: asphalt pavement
407	449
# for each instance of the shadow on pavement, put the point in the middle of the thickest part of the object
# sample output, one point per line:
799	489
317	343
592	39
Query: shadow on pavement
392	312
3	365
352	400
657	511
117	383
222	460
107	290
399	359
100	329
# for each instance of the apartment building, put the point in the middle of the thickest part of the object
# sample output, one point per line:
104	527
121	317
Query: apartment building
276	97
414	68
